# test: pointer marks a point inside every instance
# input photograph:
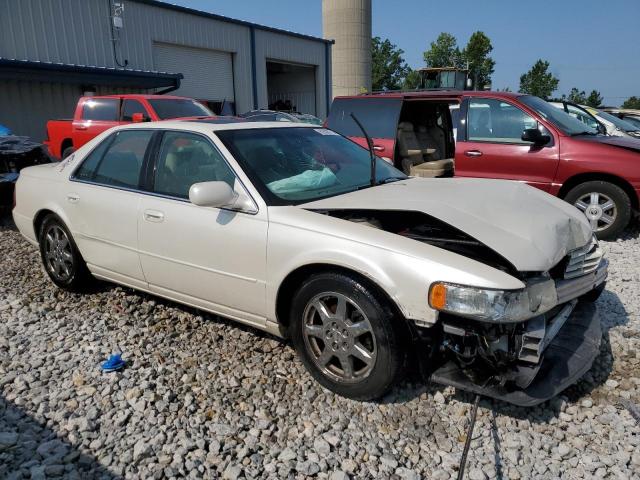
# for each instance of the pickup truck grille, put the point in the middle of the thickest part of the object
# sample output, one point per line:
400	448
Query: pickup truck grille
583	260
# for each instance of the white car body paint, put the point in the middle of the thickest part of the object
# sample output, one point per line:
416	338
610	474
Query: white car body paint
233	263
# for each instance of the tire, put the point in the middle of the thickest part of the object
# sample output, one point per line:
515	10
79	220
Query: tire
60	256
67	151
591	197
347	336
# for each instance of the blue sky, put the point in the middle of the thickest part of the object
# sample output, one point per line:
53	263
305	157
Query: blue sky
591	44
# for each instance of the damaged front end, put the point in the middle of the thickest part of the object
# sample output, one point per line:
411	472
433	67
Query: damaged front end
520	346
509	355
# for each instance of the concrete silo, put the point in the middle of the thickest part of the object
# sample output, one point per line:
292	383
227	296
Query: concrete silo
348	22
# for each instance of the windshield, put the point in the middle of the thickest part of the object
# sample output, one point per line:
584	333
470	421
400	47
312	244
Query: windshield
179	108
618	122
301	164
565	122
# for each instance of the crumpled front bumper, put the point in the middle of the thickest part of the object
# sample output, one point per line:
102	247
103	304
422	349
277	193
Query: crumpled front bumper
567	358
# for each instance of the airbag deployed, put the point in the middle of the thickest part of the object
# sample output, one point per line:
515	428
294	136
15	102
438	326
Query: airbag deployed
307	180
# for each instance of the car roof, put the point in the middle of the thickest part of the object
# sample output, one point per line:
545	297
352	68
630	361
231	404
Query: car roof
435	94
207	126
142	95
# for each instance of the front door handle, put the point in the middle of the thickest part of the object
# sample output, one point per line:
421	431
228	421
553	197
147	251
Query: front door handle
378	148
473	153
81	127
153	216
73	197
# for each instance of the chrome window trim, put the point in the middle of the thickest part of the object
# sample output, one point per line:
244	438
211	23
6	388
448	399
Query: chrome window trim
73	178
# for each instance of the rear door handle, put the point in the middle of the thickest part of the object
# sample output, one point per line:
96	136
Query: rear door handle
153	216
81	127
473	153
73	197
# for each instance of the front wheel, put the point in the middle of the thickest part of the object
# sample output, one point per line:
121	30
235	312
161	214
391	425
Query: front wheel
61	257
347	337
606	206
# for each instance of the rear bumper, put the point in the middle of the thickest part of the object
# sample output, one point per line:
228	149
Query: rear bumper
567	358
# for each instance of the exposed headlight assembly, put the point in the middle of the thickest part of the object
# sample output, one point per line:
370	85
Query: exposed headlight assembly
500	306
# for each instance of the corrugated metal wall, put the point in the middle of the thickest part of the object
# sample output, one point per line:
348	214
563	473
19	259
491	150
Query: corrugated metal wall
78	32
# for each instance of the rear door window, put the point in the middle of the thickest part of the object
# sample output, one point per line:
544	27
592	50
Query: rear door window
117	161
101	109
379	116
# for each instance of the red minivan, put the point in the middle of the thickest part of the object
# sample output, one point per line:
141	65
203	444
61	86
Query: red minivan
507	136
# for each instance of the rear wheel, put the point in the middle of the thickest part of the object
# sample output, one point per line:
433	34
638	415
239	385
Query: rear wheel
61	257
606	206
348	338
67	151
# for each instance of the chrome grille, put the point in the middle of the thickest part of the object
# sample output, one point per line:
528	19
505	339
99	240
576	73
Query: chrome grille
583	260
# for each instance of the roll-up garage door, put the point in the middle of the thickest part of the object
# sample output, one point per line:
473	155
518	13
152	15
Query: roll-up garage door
208	74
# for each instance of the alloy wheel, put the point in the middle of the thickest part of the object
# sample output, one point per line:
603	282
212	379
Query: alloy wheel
57	253
599	209
339	337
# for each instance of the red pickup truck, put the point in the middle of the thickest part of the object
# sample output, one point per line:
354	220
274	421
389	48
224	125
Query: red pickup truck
94	115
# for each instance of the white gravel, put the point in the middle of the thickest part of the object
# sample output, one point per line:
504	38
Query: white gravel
204	397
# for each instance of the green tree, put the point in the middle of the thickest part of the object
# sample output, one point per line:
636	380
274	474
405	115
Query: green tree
412	80
444	52
577	96
476	55
632	103
594	99
539	81
388	68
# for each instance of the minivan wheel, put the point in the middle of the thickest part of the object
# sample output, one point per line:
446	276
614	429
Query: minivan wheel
61	257
347	336
606	206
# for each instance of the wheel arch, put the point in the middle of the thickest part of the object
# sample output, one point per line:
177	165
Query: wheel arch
576	180
289	286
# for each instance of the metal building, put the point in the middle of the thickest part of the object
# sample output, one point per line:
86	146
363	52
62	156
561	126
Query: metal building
52	51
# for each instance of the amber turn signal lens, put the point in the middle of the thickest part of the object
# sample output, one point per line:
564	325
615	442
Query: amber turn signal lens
438	296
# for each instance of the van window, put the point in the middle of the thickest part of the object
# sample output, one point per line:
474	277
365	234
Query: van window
491	120
379	116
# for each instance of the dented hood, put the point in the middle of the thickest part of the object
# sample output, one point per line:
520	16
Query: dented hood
530	228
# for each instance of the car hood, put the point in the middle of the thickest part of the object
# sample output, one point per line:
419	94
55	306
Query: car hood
626	142
530	228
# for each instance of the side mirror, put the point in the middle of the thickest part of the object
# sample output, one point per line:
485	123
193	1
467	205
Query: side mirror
211	194
602	130
139	118
536	137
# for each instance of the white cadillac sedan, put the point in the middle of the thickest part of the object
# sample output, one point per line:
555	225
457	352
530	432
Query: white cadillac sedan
295	230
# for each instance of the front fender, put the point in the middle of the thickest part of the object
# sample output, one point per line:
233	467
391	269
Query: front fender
403	268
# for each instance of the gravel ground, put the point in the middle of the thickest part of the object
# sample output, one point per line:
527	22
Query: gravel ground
204	397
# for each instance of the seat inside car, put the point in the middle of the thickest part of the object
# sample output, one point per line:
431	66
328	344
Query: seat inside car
411	152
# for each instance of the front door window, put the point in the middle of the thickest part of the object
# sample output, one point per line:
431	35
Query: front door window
496	121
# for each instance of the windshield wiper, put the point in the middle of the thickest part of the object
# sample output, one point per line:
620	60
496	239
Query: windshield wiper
370	145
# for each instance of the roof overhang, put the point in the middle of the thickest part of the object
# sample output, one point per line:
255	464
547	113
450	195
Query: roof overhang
12	69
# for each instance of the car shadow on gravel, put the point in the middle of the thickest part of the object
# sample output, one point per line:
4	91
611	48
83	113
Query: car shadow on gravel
30	449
